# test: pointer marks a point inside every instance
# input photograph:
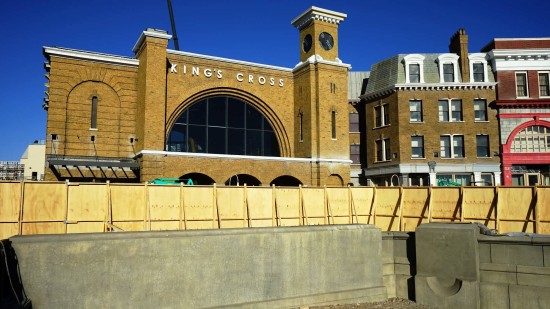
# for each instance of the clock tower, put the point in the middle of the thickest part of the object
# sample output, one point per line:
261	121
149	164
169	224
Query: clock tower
321	98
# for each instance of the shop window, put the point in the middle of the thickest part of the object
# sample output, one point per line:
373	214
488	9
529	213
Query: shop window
223	125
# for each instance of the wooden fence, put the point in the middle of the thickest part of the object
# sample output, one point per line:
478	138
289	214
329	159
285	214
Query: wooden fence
57	207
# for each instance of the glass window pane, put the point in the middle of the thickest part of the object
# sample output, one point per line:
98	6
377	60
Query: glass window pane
354	122
414	73
448	73
216	140
271	147
216	111
197	113
253	142
235	141
479	72
443	110
445	146
197	138
235	113
253	118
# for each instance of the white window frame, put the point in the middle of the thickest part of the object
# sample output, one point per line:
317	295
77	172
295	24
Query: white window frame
386	150
421	145
478	58
526	84
421	111
450	110
486	112
538	76
452	154
448	59
414	59
384	109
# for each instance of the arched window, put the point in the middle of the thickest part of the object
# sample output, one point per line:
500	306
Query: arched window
532	139
223	125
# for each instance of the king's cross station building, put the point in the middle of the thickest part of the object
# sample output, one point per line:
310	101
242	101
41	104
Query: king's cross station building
169	113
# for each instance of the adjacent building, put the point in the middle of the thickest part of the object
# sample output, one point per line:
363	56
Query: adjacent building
169	113
522	68
429	121
33	160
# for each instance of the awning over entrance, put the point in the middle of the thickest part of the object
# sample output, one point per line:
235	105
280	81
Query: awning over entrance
89	169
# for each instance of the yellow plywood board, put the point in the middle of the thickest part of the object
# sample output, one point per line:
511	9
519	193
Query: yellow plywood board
199	203
479	203
362	199
87	202
165	225
10	201
387	223
313	203
260	203
445	204
515	226
45	202
514	203
127	203
164	202
287	202
201	225
230	224
86	227
8	230
387	201
543	204
231	203
415	203
43	228
339	203
131	226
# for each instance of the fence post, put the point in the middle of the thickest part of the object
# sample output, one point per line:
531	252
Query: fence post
430	197
66	205
497	222
245	197
107	224
147	221
21	204
215	210
400	205
373	207
461	203
537	208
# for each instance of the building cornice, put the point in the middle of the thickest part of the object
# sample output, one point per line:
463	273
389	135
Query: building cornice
519	59
89	56
314	59
535	103
237	157
152	33
316	13
226	60
429	87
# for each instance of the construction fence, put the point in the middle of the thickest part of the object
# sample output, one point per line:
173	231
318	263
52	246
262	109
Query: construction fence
58	207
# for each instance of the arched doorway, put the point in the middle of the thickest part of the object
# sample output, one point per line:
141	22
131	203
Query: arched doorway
285	181
335	181
242	179
198	178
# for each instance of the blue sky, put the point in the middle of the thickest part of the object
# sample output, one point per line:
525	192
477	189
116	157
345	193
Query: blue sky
256	31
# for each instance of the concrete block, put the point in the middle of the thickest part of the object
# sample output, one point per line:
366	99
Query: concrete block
447	258
531	297
498	273
546	252
534	276
517	253
494	296
239	268
484	253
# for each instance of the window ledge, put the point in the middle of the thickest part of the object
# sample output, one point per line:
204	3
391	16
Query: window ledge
93	129
461	158
380	127
423	158
460	121
419	122
482	121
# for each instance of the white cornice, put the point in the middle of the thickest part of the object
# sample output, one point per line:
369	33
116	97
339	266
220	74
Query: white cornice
318	59
435	86
226	60
237	157
89	56
316	13
153	33
519	59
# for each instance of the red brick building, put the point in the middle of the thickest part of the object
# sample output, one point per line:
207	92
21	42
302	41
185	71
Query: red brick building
522	68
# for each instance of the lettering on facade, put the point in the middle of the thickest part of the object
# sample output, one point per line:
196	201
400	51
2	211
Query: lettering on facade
217	73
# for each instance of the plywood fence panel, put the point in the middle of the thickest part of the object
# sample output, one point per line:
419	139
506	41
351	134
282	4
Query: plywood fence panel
479	205
45	208
87	202
362	205
10	206
516	211
85	227
287	206
164	203
260	206
445	204
128	207
387	208
172	225
200	209
339	205
415	202
314	206
543	209
231	207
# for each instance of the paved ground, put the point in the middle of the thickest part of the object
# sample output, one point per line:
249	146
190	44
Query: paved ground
393	303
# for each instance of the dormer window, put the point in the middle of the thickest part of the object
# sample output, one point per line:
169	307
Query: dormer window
478	68
414	68
448	68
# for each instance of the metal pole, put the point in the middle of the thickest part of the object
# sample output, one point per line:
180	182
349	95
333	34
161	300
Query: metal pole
173	23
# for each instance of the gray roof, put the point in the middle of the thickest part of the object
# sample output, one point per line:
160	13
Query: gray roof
385	74
356	84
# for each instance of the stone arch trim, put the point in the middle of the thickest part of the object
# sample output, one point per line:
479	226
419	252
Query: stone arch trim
274	120
537	122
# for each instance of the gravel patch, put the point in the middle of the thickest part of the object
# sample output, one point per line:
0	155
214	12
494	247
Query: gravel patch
394	303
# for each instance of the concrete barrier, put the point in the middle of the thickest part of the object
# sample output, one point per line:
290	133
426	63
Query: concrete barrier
233	268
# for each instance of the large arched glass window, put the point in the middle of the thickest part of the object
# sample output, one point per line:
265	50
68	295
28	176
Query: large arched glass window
223	125
532	139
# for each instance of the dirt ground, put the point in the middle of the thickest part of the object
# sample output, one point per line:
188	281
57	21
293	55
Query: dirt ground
393	303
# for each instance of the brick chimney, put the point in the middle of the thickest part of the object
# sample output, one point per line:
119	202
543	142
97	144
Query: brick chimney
459	46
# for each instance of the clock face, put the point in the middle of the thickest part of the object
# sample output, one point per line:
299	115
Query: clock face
326	40
306	44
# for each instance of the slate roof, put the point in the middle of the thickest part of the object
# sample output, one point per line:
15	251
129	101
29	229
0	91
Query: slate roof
357	84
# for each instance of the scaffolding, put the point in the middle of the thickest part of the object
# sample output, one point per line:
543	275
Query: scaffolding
11	170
